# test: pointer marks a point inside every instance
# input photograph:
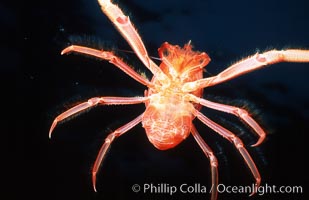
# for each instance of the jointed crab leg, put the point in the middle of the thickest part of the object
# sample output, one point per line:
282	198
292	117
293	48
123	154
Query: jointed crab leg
236	141
239	112
249	64
108	141
125	27
213	161
107	55
93	102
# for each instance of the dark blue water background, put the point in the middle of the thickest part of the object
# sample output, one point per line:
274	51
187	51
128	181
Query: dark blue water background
228	31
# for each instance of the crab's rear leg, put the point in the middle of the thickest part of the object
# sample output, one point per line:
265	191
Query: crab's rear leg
249	64
213	161
109	56
238	144
239	112
108	141
93	102
125	27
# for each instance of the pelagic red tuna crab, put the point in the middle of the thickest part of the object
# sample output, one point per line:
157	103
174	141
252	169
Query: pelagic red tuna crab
174	95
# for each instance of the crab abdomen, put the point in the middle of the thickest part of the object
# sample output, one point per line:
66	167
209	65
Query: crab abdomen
167	124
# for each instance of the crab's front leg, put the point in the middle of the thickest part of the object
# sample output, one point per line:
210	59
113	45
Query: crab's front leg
247	65
125	27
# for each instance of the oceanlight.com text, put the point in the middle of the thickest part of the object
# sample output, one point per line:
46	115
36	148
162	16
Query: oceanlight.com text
197	188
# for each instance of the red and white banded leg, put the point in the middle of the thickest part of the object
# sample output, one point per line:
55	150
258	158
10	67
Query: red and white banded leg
213	161
249	64
93	102
127	30
239	112
108	141
109	56
236	141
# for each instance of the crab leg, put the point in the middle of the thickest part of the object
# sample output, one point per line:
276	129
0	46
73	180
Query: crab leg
108	141
107	55
249	64
125	27
93	102
213	161
239	112
236	141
